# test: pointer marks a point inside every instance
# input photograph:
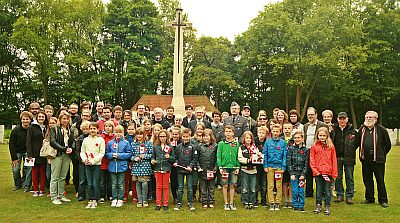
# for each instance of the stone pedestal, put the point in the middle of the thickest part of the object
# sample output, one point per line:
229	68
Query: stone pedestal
1	134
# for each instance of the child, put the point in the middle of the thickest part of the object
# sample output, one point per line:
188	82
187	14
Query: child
323	164
175	140
118	153
148	128
142	151
296	163
163	157
82	175
156	128
105	181
228	164
287	192
207	158
245	156
93	149
261	181
275	150
185	160
196	140
129	184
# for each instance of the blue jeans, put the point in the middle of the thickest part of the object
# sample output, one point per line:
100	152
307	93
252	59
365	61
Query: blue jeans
105	184
323	186
118	185
26	179
349	176
297	193
82	181
142	189
181	183
248	194
93	181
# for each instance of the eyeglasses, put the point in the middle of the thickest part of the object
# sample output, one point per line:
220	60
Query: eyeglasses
35	108
310	114
262	119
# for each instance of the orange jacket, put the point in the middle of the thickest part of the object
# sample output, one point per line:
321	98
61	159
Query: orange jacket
323	160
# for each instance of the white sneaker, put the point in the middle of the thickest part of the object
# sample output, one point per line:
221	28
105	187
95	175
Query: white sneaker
145	204
120	203
89	204
56	201
114	203
64	199
94	204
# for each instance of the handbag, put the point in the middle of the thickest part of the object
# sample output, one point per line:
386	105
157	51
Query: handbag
47	151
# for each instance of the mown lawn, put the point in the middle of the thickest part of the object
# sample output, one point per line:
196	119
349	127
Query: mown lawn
22	207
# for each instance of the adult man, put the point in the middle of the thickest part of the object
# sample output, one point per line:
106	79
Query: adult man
310	129
106	117
189	115
327	116
85	105
170	117
17	147
48	109
217	126
374	142
117	112
99	111
199	119
34	108
237	121
250	121
262	120
343	137
140	115
159	119
73	111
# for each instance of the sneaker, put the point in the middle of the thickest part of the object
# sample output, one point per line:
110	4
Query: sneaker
139	204
17	188
205	206
302	210
125	199
290	205
271	207
233	207
251	206
48	195
349	201
145	204
94	204
317	209
41	193
102	200
295	209
178	207
134	200
165	208
114	203
35	193
264	205
56	201
285	205
255	204
246	206
89	204
27	190
157	208
191	207
276	207
119	204
327	210
64	199
227	207
339	199
211	206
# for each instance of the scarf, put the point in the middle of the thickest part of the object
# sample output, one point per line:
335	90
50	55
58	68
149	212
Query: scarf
374	137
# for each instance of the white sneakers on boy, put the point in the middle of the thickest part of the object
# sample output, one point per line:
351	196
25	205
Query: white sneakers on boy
119	204
114	203
89	204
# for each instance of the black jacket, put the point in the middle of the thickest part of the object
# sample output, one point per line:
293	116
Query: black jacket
344	142
297	160
34	142
193	123
57	140
163	122
383	143
185	120
163	164
207	154
186	155
78	146
17	142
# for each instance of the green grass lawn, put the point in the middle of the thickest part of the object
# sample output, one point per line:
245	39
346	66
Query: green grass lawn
22	207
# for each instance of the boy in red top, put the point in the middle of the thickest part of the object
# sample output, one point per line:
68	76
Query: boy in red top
324	167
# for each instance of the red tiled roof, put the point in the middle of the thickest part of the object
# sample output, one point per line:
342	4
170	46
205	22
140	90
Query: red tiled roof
163	101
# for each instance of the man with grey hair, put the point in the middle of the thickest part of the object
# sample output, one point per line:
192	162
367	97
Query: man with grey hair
159	118
374	142
237	121
310	130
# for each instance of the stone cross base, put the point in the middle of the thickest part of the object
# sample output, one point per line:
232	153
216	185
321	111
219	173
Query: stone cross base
179	105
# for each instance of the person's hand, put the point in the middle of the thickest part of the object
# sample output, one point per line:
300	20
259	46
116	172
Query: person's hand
200	170
15	163
236	172
175	164
188	168
221	171
266	170
153	162
49	161
87	162
137	159
301	177
115	155
259	154
293	177
69	151
141	156
167	155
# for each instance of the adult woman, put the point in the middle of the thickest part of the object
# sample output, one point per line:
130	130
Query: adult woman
61	139
34	141
294	118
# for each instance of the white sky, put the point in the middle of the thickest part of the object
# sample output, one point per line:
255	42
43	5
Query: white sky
221	17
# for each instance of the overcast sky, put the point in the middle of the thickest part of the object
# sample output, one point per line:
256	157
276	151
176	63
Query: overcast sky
221	17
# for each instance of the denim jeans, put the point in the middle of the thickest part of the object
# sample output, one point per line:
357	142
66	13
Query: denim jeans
349	176
261	184
118	185
207	191
181	183
26	179
105	184
323	186
297	193
248	194
59	169
93	181
142	188
82	181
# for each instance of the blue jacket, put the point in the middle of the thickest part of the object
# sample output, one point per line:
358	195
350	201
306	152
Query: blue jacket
124	150
275	153
143	166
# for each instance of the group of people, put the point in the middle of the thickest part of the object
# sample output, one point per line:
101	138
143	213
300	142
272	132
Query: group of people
115	153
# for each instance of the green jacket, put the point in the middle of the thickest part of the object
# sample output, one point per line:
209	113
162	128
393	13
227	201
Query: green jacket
227	155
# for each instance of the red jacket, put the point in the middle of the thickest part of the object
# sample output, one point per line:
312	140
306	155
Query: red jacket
104	160
323	160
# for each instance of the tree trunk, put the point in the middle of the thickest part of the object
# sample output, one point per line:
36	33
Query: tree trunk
298	98
353	113
303	113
